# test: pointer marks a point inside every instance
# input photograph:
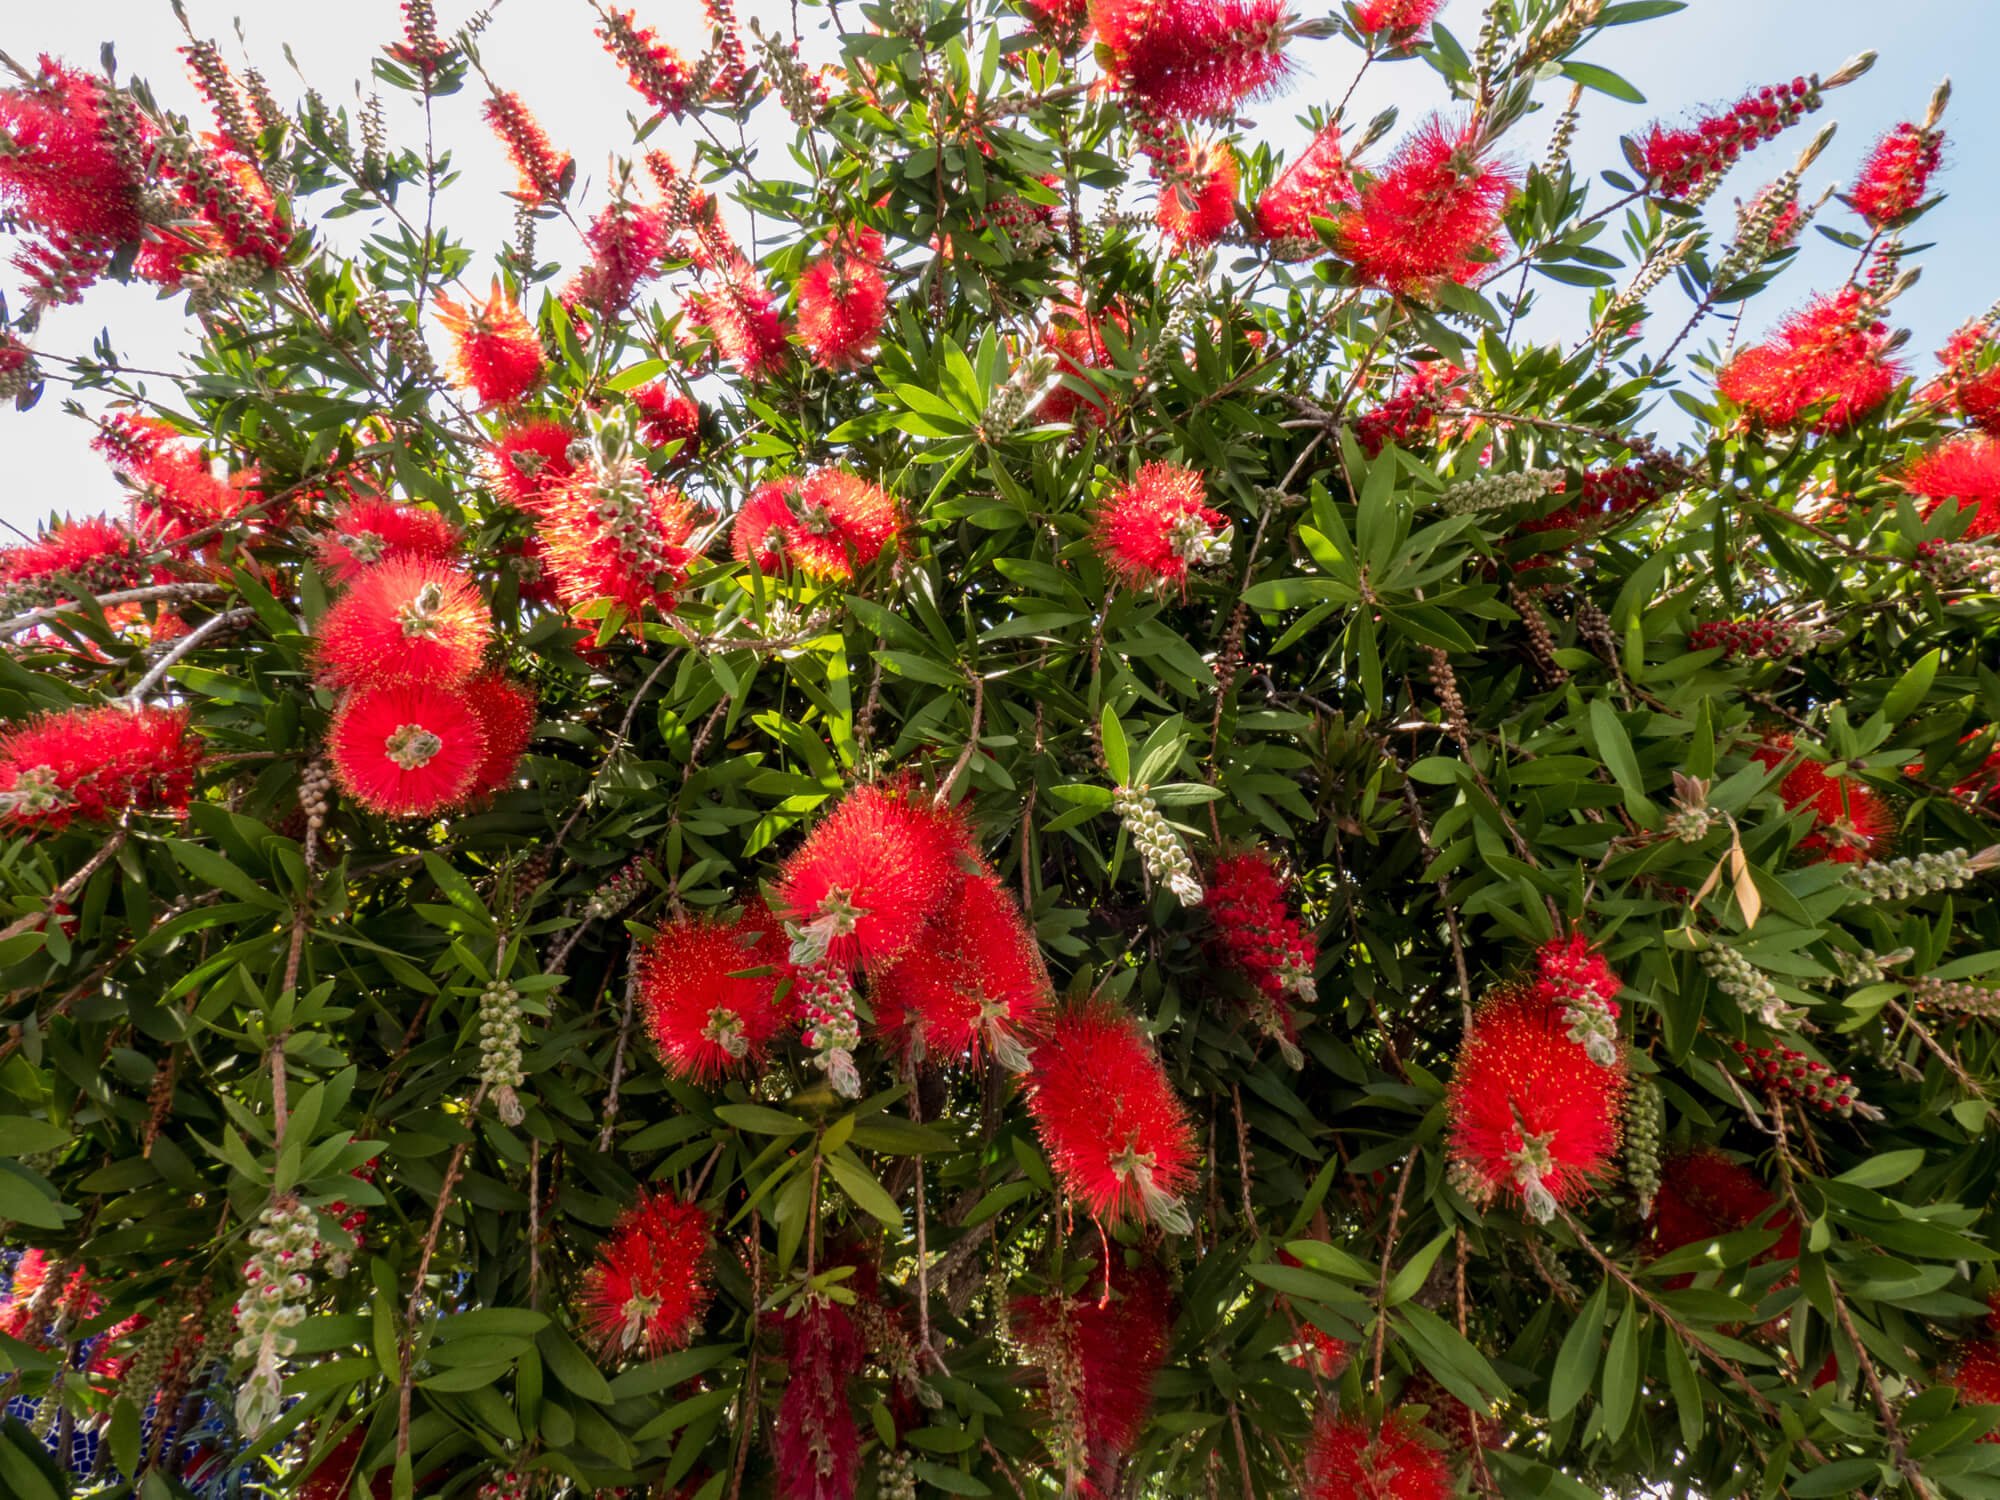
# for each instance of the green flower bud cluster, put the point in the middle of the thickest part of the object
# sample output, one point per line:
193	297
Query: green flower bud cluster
1644	1116
1160	848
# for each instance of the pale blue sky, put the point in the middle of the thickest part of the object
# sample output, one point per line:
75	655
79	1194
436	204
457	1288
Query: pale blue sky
543	49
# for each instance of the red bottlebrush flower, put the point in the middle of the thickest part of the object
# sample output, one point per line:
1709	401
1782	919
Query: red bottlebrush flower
409	619
1432	214
748	328
1115	1133
1854	822
1829	361
1065	17
1704	1194
333	1477
527	561
1100	1357
530	460
1350	1460
660	74
638	559
815	1439
1320	1353
1192	58
626	243
176	490
544	172
1401	19
496	352
828	525
1571	976
65	173
229	212
730	58
368	531
506	711
1897	174
1076	337
666	416
1975	1373
1413	411
94	763
70	176
870	875
407	751
1965	385
649	1288
710	994
1966	470
77	1301
1198	195
1315	184
1151	531
1255	933
1531	1112
1683	161
974	981
94	554
843	300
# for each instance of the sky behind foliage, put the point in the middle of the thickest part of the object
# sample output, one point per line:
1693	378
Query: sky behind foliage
543	49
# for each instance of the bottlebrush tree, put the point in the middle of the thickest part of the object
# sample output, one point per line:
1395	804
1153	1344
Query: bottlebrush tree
1032	804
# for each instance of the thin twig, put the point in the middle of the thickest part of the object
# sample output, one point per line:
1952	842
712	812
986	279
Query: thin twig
1388	1254
67	889
971	742
618	1060
144	595
227	620
406	1353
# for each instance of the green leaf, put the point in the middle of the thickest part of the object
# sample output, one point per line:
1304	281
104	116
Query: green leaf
1884	1170
1911	687
1616	749
1117	754
1576	1362
22	1136
869	1195
1408	1281
571	1367
1621	1372
760	1120
211	869
1603	80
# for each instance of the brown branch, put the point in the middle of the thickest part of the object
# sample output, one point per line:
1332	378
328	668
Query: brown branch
106	852
1388	1253
1685	1334
1923	1034
1892	1430
406	1352
964	760
618	1059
